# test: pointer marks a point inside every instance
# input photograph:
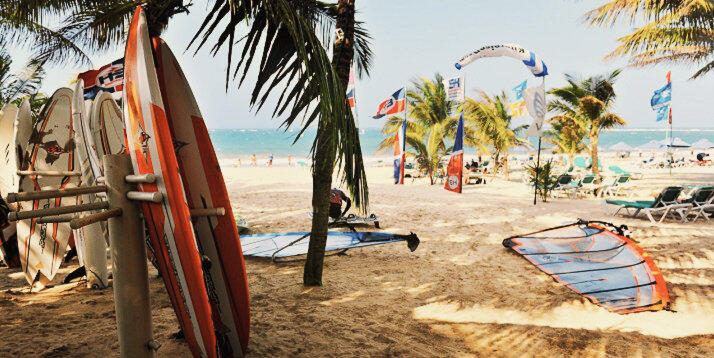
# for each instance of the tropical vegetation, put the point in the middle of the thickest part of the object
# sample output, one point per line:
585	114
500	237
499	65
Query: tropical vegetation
586	105
14	88
674	31
491	120
566	135
429	125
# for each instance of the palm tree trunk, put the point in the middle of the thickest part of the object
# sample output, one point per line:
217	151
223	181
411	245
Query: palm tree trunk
505	164
593	153
324	160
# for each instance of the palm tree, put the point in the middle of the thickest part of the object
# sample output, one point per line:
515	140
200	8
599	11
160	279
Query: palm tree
588	102
491	118
567	135
429	125
675	31
14	87
291	39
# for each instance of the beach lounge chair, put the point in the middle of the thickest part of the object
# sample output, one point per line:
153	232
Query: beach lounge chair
617	170
702	199
619	185
580	163
588	184
564	184
665	203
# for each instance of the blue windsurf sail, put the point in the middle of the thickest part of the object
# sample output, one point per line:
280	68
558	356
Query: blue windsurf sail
598	261
286	244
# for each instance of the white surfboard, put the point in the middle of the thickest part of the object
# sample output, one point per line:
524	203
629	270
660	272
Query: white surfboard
23	131
90	239
107	126
50	148
8	181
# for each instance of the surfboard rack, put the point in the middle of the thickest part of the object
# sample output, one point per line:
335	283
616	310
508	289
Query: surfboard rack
207	212
49	173
126	238
153	197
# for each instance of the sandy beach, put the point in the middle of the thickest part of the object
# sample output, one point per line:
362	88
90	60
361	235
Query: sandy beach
461	293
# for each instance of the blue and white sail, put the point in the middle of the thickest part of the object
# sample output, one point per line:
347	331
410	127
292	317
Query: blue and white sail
534	63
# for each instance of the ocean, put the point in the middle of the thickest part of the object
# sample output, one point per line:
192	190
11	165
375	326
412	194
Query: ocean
231	143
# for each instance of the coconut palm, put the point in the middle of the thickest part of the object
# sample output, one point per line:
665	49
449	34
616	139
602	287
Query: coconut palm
588	102
566	135
491	119
287	41
13	87
429	125
675	31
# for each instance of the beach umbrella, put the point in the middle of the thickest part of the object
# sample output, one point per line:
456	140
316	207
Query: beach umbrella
651	145
703	144
622	147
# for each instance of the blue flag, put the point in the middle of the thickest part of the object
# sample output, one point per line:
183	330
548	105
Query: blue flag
660	101
662	97
519	89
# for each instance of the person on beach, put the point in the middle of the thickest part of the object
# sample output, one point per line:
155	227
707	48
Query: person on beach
270	160
337	196
253	161
290	161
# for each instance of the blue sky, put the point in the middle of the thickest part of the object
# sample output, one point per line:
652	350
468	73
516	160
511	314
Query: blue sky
415	39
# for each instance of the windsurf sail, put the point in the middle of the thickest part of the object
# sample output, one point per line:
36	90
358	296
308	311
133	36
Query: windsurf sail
598	261
277	245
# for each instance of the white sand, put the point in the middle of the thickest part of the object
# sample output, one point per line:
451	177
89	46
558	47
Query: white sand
460	294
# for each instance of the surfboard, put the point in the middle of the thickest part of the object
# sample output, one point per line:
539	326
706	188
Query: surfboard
107	126
90	239
217	236
51	148
8	184
169	222
288	244
23	129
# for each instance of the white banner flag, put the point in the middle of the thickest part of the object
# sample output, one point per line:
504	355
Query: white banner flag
454	88
535	103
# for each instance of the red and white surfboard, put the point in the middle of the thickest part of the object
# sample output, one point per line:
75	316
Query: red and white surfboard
51	148
169	222
203	182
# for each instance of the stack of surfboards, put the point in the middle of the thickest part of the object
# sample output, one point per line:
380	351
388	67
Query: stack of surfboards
199	256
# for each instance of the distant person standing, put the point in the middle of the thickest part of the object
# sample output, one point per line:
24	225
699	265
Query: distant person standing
253	161
270	160
290	160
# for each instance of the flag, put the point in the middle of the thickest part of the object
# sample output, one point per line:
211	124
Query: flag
351	98
454	88
519	89
517	109
108	78
351	88
395	104
535	103
661	100
454	171
400	153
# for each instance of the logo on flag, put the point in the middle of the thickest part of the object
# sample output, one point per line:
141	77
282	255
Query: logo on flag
108	78
454	171
661	100
519	89
400	153
454	88
395	104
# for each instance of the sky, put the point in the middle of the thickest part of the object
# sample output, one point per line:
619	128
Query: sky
415	39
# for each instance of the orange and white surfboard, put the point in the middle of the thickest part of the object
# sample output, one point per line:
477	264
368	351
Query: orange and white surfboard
169	222
203	182
51	148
